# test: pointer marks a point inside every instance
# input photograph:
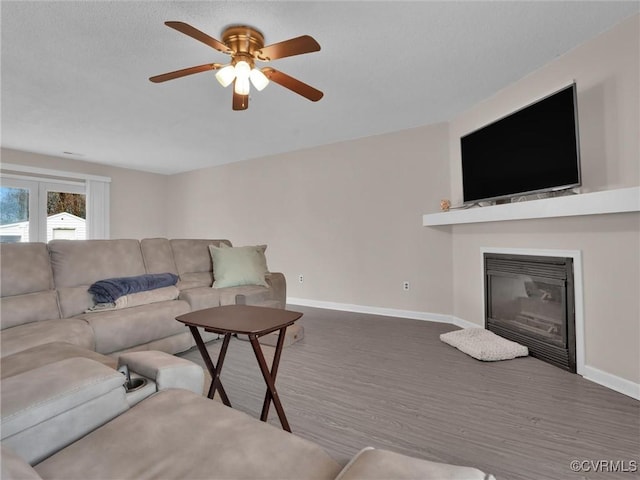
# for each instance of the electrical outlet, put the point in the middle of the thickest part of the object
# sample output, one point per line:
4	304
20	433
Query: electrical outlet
300	278
405	286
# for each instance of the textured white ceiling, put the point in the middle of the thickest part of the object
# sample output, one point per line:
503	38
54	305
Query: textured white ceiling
75	74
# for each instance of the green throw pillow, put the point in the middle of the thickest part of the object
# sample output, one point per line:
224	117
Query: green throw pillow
237	266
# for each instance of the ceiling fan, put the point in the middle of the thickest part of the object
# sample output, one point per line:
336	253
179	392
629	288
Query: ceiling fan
245	45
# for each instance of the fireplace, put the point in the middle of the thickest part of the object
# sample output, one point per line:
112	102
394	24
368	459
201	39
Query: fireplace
530	300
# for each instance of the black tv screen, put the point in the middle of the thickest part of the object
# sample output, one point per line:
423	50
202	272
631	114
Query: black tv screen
534	149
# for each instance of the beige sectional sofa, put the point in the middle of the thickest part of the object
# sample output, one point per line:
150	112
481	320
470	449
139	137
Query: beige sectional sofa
45	298
67	412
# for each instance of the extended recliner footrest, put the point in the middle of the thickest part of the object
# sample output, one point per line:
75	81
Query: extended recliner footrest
47	408
46	354
377	463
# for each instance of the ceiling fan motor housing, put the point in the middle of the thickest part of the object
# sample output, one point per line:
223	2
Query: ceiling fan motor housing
245	42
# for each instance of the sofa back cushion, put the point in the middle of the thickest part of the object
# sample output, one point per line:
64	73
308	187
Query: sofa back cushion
28	308
79	263
26	285
25	268
157	255
193	261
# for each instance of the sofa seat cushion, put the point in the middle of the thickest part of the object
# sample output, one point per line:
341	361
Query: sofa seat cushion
251	295
374	464
178	434
201	297
206	297
70	330
116	330
48	353
173	344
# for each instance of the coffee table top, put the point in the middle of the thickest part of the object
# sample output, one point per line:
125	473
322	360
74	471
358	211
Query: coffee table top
242	319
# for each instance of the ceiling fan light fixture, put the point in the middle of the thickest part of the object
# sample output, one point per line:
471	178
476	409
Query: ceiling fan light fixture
226	75
242	86
259	79
243	69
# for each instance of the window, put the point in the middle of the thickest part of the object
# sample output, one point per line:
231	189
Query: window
66	211
18	210
42	208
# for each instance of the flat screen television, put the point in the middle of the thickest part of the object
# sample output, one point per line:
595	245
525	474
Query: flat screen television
532	150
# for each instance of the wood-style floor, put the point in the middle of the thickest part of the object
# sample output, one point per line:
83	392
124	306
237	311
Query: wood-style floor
359	380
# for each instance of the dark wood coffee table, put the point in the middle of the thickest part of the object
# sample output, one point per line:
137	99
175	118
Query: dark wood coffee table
243	320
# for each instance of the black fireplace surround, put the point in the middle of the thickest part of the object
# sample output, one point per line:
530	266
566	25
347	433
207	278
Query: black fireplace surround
530	300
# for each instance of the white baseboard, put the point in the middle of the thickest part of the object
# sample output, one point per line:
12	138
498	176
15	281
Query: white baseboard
621	385
387	312
605	379
464	323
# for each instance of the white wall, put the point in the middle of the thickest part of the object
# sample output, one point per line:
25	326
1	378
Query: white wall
606	71
347	216
137	198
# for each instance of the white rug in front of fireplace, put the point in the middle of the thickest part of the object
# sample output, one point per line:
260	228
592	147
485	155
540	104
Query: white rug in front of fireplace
484	345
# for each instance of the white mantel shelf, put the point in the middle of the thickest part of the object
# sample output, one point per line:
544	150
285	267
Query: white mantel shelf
595	203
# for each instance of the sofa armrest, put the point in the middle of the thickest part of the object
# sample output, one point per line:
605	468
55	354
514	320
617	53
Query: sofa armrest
374	463
167	371
278	286
47	408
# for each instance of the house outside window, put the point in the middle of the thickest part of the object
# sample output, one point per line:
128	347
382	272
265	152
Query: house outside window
46	204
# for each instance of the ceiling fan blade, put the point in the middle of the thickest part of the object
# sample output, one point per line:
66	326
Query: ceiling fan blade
184	72
293	84
198	35
288	48
240	102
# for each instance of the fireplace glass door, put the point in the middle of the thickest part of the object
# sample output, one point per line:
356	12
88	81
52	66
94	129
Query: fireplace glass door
531	305
530	300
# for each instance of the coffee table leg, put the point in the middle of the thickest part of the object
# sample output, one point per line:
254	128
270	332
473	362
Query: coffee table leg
204	353
274	372
270	378
216	383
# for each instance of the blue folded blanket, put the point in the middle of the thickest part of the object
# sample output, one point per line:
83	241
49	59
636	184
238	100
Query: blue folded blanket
109	290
